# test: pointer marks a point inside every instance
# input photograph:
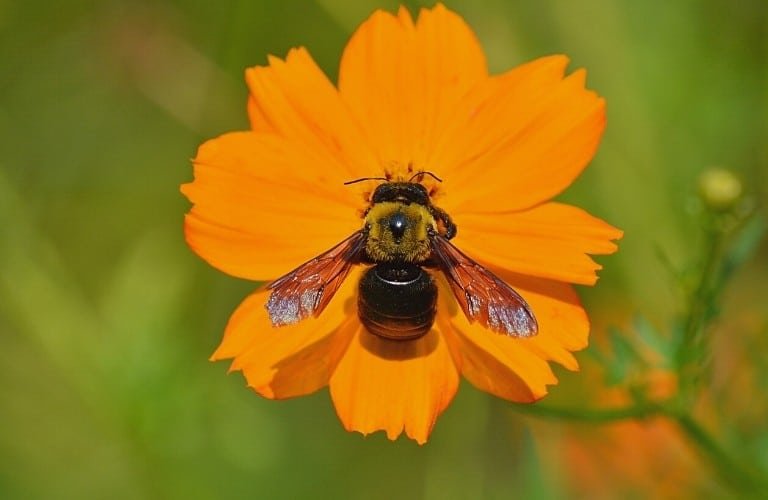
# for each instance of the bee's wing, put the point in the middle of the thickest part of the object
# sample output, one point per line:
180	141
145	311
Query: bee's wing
309	288
482	295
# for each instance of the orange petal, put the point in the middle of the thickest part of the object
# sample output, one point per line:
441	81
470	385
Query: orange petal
497	364
264	205
394	386
292	360
563	322
295	99
401	81
489	114
531	135
516	369
550	241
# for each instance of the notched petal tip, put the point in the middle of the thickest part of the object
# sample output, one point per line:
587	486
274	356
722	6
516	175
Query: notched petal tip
262	390
391	386
558	60
578	78
537	396
393	434
186	189
404	16
299	52
215	356
390	433
617	234
381	16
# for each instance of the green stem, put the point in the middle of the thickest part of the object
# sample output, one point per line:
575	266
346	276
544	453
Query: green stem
733	473
738	474
699	308
690	367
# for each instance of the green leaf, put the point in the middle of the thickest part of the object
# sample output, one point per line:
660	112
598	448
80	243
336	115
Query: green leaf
653	338
625	358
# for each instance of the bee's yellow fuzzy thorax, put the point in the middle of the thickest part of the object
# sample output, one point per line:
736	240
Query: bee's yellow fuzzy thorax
383	245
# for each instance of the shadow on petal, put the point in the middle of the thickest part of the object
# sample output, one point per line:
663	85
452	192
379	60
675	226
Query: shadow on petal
493	369
398	350
310	368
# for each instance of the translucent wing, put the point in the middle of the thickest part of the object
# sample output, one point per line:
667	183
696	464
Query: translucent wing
482	295
310	287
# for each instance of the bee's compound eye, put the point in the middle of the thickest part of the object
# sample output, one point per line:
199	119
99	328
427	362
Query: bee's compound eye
397	225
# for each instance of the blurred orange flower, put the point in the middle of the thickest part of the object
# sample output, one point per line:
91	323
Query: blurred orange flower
412	96
628	459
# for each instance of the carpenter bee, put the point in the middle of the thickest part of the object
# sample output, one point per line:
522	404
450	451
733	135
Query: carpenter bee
404	237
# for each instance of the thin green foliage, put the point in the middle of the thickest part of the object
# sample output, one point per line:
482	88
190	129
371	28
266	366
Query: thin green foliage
730	239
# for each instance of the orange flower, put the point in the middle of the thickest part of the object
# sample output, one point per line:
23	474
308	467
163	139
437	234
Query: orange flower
411	97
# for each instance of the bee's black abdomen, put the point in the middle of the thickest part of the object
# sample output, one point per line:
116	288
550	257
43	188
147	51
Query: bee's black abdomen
397	301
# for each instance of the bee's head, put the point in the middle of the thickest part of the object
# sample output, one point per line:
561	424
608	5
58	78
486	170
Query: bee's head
404	192
398	231
410	191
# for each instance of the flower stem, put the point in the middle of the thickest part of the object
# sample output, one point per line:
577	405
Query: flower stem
690	350
735	474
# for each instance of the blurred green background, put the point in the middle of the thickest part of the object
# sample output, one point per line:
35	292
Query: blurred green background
107	318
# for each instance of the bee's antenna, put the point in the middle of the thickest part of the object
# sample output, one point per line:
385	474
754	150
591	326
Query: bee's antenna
361	179
425	172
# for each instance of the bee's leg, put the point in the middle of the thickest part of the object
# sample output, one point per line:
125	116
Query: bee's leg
441	216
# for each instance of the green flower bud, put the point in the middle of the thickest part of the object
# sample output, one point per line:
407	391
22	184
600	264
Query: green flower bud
719	188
